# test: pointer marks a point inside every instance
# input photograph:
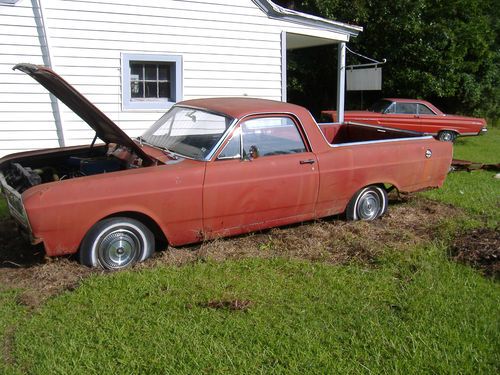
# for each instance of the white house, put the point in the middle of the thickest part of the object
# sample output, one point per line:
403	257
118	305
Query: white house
133	59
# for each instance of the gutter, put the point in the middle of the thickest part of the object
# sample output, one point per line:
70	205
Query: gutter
281	13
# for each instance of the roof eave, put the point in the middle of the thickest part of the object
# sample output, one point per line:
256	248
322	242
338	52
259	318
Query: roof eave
278	12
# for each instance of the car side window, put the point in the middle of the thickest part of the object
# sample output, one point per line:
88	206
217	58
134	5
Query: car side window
424	110
406	108
269	136
232	150
390	109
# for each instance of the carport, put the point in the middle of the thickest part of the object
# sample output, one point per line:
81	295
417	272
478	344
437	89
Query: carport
318	32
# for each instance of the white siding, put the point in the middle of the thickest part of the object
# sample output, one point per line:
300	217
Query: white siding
229	48
26	119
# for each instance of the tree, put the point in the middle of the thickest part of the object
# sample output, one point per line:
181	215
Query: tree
447	52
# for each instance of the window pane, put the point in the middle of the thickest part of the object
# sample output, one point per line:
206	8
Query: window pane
150	82
232	149
406	108
380	106
164	89
391	108
271	136
164	72
136	89
423	110
150	70
136	70
188	131
151	90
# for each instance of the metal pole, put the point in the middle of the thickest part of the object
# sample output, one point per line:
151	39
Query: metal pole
283	67
341	82
49	61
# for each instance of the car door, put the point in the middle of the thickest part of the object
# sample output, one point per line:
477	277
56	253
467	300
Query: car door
265	175
429	121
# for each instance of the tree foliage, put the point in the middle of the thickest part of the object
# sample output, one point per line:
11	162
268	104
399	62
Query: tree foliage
447	52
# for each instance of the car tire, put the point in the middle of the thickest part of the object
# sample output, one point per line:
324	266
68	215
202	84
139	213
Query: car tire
116	243
367	204
447	136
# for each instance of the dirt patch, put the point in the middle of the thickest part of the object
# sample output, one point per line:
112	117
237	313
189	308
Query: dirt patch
407	223
332	240
27	268
479	248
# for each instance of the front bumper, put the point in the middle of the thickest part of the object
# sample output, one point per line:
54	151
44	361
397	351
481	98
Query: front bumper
483	131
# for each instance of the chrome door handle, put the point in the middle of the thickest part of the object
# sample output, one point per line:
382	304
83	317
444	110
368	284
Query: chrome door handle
308	161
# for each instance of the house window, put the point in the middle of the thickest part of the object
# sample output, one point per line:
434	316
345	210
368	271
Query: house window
151	81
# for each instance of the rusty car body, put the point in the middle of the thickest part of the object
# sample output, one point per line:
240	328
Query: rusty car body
207	168
415	115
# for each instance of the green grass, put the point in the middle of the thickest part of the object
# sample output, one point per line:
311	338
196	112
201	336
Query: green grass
482	149
415	313
478	192
11	313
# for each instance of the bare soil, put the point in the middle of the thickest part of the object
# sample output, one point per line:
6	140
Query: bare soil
479	248
407	223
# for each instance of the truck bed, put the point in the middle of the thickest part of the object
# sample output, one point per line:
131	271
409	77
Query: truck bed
351	132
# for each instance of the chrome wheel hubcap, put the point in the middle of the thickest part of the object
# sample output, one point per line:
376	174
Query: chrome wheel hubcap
368	206
119	248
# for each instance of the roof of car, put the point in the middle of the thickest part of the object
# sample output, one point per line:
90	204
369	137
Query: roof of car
402	100
241	107
425	102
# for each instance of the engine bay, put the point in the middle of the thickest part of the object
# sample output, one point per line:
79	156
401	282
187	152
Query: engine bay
23	173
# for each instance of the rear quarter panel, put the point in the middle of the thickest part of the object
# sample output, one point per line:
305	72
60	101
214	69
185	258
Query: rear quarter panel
345	169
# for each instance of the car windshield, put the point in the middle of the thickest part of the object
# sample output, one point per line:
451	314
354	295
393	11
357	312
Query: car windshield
189	132
380	106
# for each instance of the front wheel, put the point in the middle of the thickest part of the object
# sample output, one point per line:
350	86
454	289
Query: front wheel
367	204
447	136
116	243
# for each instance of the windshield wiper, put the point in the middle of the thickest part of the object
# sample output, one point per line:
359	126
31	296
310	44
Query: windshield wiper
142	140
170	154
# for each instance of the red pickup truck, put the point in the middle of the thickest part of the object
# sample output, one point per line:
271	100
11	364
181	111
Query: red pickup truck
416	115
207	168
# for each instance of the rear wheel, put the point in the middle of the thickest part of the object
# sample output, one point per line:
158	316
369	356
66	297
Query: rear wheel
447	136
367	204
116	243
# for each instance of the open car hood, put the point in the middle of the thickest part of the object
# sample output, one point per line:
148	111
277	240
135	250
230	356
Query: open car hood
105	129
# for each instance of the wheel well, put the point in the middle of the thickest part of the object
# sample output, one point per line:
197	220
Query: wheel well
388	187
456	132
160	237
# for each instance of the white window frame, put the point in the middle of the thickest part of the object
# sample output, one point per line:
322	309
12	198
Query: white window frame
8	2
129	103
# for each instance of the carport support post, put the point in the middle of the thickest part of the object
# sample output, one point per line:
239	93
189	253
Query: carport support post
341	83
